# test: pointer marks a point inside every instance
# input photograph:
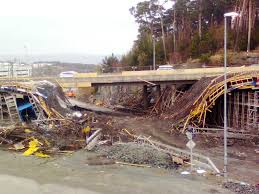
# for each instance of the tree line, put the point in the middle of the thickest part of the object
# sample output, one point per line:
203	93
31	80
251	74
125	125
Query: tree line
190	29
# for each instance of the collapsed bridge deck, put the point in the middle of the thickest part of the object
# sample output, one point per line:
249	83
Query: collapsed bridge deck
202	105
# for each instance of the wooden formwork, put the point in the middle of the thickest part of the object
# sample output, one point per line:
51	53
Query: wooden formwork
243	109
9	109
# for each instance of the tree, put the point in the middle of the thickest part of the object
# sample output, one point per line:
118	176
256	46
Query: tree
108	63
245	24
191	28
145	14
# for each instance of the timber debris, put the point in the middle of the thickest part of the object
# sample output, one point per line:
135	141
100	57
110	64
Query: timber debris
37	118
195	107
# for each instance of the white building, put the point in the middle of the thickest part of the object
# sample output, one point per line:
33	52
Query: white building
39	65
15	70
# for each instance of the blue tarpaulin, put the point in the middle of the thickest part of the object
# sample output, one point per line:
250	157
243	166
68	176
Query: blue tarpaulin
24	106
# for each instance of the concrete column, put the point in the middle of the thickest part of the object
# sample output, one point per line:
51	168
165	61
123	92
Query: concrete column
145	97
158	91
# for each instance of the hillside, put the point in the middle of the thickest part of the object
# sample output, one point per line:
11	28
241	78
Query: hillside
189	30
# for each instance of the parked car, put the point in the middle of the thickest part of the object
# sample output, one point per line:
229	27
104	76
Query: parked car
165	67
67	74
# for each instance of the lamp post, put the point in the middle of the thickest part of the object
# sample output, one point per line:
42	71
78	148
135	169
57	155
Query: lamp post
226	15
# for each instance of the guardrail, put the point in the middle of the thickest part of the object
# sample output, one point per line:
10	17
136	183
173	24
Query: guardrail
199	159
130	75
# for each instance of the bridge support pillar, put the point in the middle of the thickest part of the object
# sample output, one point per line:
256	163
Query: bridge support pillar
145	97
158	91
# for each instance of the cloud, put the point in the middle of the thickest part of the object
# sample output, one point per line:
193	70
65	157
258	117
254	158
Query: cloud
88	26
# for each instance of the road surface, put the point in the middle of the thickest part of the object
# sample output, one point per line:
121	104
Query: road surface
70	174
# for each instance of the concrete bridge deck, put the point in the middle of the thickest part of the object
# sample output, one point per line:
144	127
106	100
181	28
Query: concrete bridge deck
137	77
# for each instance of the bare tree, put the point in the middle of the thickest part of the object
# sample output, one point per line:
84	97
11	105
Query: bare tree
200	16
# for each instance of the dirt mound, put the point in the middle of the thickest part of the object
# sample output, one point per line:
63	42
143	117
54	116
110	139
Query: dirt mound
137	154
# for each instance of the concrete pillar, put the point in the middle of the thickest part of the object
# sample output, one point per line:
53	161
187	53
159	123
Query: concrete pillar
145	97
158	91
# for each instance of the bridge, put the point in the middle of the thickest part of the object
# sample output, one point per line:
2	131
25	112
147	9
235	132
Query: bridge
188	76
201	106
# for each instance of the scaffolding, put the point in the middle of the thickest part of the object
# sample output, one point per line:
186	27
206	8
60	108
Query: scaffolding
243	110
205	99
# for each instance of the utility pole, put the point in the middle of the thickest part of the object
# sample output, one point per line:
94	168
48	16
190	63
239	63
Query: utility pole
154	52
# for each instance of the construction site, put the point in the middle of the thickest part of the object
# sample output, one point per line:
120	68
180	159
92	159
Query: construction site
140	125
129	97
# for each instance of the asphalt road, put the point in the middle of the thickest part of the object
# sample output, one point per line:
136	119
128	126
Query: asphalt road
69	174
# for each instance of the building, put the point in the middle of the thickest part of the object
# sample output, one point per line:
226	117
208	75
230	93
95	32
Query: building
40	64
15	70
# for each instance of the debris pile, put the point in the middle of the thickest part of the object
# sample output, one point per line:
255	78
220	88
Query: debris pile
135	153
36	118
241	188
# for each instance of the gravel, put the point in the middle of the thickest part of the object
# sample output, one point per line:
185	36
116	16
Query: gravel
241	188
137	154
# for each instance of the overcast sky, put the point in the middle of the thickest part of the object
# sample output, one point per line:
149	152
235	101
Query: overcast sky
66	26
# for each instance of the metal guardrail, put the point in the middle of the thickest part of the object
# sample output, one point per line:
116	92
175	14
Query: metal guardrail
133	76
199	159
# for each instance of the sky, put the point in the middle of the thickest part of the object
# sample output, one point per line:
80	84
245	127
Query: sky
97	27
30	28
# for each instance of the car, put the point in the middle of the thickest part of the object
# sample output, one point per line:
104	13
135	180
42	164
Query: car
165	67
67	74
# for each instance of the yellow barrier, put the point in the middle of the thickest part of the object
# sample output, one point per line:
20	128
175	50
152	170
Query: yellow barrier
78	75
84	84
76	85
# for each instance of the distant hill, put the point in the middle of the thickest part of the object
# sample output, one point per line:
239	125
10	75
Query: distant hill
57	67
63	58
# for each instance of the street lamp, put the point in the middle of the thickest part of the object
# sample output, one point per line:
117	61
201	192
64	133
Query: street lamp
226	15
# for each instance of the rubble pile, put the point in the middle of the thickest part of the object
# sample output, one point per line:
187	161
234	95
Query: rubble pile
135	153
241	188
36	118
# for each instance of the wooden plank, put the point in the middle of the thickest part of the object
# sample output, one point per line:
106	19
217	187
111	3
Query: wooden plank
178	160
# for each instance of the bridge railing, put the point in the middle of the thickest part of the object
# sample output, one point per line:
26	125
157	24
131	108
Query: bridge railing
122	72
